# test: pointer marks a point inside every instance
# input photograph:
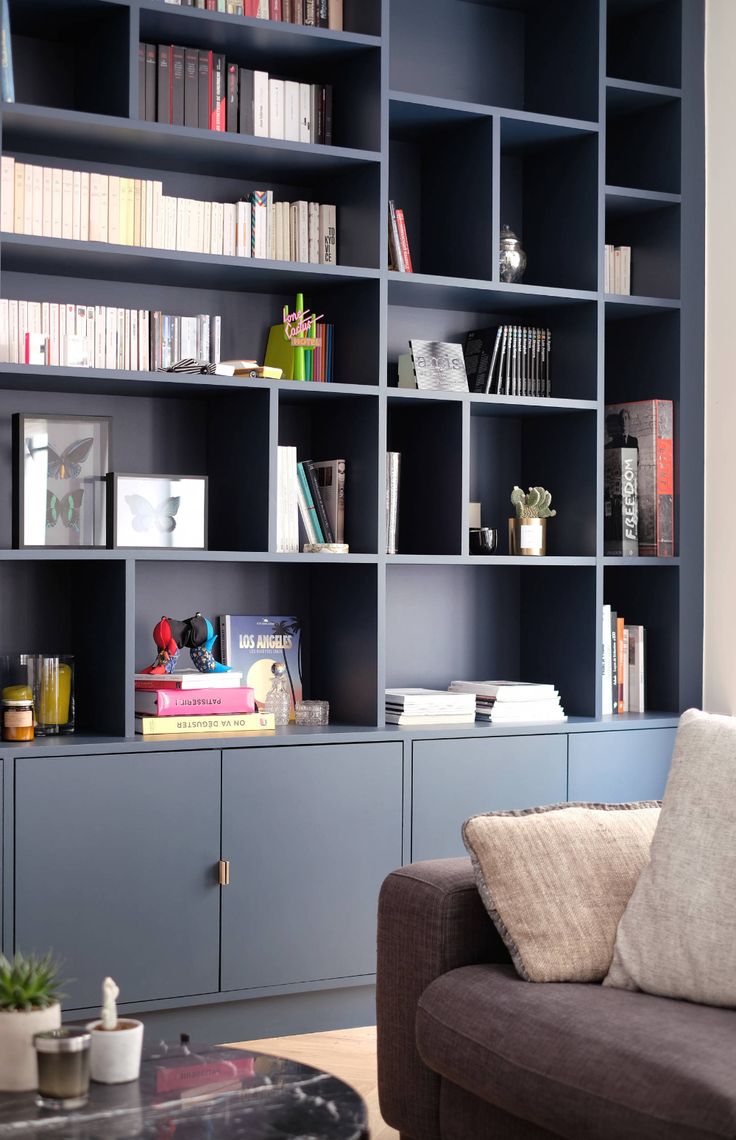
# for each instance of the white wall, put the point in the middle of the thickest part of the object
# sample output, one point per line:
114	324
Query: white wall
720	362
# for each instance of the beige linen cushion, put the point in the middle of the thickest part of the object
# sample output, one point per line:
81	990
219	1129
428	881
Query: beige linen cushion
677	937
555	880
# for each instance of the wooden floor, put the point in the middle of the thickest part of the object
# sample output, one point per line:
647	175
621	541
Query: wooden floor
348	1053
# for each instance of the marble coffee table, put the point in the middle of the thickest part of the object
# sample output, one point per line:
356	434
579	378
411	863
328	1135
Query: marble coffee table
202	1092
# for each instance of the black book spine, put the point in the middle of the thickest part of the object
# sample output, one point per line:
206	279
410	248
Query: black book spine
191	87
232	97
327	100
324	521
141	81
177	86
204	97
311	15
163	103
324	13
246	123
151	75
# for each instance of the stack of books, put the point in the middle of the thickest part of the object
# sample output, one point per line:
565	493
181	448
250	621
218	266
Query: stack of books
417	707
191	87
513	702
624	664
190	702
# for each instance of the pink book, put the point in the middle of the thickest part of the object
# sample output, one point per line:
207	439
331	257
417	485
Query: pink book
193	702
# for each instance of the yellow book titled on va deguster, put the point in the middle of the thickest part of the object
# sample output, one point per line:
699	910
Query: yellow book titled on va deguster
181	725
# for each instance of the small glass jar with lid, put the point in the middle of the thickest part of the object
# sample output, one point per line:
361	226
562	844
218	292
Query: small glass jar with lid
17	714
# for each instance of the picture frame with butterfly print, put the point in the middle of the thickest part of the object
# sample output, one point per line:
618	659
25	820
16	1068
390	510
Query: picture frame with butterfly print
161	512
61	464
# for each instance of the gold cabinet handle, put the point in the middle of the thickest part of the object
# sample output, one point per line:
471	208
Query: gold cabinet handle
223	872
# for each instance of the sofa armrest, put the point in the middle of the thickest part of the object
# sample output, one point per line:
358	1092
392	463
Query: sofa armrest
431	919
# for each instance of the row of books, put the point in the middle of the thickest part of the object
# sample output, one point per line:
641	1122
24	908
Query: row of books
513	702
617	269
195	87
189	702
623	665
313	13
103	336
82	205
310	501
638	514
399	255
510	360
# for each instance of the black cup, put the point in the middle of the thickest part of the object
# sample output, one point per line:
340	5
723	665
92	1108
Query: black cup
483	540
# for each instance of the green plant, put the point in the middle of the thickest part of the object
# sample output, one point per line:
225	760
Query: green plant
28	981
533	505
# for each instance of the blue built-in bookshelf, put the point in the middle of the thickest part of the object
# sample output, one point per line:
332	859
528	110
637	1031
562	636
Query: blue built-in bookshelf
577	123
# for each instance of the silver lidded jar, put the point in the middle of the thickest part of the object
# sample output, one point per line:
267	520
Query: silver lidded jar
512	257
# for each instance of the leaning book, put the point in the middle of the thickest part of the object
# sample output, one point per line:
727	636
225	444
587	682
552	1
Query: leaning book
252	644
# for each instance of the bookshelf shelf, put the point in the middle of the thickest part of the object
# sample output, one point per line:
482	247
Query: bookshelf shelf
132	142
408	111
23	253
492	405
435	292
625	96
622	201
641	563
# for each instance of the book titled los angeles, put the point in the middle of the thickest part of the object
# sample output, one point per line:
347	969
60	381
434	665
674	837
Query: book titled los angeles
252	644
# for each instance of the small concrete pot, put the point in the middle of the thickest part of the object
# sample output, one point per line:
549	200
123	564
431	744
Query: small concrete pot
115	1054
18	1068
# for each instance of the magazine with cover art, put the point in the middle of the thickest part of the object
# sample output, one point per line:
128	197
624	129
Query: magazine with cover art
253	643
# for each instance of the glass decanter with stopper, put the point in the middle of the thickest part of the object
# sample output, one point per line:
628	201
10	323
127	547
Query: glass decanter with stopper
278	697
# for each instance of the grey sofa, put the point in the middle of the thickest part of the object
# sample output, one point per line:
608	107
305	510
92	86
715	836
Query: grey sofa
469	1051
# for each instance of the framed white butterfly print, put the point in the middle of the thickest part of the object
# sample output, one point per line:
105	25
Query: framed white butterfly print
61	466
163	512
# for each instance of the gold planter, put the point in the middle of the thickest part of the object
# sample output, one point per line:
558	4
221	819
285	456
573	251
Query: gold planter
528	536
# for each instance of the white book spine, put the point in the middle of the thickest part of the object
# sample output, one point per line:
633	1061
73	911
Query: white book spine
291	111
144	340
305	113
84	221
13	332
37	200
276	96
47	202
53	333
313	232
7	194
607	662
303	231
67	203
28	199
99	336
260	104
328	235
4	331
77	205
18	193
56	203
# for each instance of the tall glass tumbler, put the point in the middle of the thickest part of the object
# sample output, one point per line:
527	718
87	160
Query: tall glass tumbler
52	679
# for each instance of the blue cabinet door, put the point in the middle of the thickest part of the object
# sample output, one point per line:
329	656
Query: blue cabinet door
454	779
620	766
310	832
115	870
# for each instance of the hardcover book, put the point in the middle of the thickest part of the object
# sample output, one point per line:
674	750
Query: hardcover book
194	702
184	725
647	426
252	644
620	508
439	364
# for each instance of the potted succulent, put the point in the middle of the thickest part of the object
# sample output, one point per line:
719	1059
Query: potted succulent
115	1050
528	531
29	1004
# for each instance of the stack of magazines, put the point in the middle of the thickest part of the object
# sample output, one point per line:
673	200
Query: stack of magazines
419	707
513	702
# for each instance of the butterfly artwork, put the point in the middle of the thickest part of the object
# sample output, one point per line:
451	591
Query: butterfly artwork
69	464
66	508
147	517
